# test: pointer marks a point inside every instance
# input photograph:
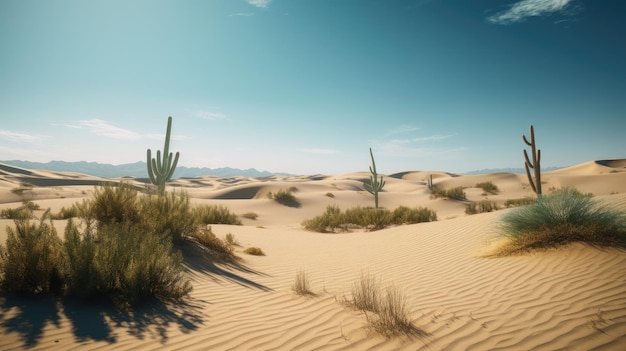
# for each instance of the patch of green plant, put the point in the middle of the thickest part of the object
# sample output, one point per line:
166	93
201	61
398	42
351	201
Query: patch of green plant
112	203
481	207
488	187
215	214
562	217
367	217
231	240
31	259
66	213
169	214
255	251
456	193
286	197
519	202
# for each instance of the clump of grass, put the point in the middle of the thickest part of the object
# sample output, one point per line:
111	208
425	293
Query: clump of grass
215	214
231	240
390	312
454	193
481	207
519	202
301	285
255	251
219	248
488	187
66	213
331	195
250	215
25	211
367	217
285	197
562	217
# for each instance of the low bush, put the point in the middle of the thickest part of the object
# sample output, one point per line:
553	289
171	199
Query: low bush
367	217
488	187
66	213
170	214
250	215
286	197
562	217
453	193
31	260
519	202
231	240
112	204
481	207
255	251
215	214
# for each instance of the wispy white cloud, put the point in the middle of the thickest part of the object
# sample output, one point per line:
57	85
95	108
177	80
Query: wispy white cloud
16	136
103	128
529	8
242	14
320	151
259	3
211	116
405	128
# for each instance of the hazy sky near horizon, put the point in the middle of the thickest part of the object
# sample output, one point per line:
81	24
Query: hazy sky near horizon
307	86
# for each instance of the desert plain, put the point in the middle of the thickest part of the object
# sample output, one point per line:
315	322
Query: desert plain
569	298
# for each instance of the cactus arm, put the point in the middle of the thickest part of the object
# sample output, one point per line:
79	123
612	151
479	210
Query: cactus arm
375	185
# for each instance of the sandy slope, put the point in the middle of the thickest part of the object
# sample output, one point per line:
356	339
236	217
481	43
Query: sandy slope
567	299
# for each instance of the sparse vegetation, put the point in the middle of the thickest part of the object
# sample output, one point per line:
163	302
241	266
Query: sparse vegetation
390	313
481	207
285	197
331	195
519	202
453	194
231	240
562	217
215	214
255	251
488	187
220	249
301	285
250	215
367	217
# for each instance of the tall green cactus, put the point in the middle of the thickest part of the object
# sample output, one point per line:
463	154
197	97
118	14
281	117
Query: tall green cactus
535	165
375	185
160	171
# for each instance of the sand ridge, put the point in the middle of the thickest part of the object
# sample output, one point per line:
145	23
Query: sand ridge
570	298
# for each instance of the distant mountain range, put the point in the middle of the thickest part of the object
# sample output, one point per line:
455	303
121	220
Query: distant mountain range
137	169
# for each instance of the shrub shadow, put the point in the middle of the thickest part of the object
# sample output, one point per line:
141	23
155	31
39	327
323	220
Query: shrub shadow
95	321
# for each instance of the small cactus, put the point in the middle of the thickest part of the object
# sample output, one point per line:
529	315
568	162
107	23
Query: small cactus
374	185
161	170
535	164
430	182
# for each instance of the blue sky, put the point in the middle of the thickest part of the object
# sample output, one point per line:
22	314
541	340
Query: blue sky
307	86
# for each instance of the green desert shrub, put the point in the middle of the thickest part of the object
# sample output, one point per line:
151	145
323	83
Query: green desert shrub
407	215
170	214
519	202
112	204
78	268
327	222
456	193
367	217
562	217
481	207
132	265
255	251
231	240
67	213
18	213
488	187
286	197
215	214
31	260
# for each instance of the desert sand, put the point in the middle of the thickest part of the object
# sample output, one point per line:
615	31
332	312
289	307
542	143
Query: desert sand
571	298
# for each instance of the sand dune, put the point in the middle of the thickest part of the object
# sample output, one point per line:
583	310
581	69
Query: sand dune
572	298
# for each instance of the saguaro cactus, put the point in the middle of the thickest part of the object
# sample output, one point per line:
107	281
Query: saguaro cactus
535	164
375	185
161	170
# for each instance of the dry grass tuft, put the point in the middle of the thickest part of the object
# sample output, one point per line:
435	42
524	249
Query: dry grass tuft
301	285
